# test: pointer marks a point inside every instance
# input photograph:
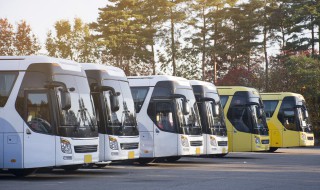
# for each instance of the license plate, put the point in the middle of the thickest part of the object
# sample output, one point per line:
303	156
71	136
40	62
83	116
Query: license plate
131	154
197	150
88	158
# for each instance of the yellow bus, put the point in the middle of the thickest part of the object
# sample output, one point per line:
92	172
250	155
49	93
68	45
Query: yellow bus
245	119
288	120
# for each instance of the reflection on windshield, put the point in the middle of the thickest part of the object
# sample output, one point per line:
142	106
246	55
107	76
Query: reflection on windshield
123	121
304	119
190	123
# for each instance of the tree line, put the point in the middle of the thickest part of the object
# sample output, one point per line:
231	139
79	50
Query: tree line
272	45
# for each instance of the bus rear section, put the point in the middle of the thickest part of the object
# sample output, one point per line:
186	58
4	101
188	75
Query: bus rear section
118	132
288	120
214	129
245	119
46	115
168	118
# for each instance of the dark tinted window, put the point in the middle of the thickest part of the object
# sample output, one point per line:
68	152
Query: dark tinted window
7	80
288	114
139	94
165	116
270	107
38	112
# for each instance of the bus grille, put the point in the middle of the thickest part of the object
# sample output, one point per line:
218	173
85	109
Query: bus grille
196	143
310	138
222	143
86	148
265	142
129	146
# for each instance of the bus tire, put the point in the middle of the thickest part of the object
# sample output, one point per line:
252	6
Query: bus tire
272	149
220	155
22	172
172	158
71	168
145	161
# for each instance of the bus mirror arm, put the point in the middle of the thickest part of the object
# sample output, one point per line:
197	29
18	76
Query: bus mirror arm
65	95
185	107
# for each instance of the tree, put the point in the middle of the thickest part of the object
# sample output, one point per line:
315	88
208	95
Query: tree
73	42
6	37
25	42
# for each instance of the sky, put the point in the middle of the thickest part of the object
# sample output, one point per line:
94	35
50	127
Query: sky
42	14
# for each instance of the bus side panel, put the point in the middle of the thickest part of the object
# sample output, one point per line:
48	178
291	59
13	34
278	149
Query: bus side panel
13	149
39	149
242	142
291	138
103	148
275	134
146	144
1	150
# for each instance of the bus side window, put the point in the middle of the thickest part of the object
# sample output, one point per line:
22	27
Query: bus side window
37	113
164	116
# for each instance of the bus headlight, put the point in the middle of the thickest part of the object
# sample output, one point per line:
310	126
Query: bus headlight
257	139
213	141
184	141
65	146
113	143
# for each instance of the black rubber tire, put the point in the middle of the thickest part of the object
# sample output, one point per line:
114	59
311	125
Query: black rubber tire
145	161
172	158
71	168
220	155
272	149
22	172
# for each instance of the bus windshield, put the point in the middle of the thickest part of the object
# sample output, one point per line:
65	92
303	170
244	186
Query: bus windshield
190	123
216	123
121	122
81	114
304	119
246	114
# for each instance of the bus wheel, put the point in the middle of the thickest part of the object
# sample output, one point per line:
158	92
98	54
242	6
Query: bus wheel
273	149
22	172
173	158
71	168
145	161
220	155
101	165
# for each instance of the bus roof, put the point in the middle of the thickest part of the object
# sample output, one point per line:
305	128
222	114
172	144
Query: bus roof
208	85
110	70
153	79
230	90
21	63
279	95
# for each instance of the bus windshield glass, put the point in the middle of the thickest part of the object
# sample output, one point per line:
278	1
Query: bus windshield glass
304	118
121	122
7	80
190	123
246	113
216	123
81	114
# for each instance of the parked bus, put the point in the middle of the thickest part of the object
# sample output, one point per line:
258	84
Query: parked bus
288	120
46	115
212	118
168	118
118	132
245	118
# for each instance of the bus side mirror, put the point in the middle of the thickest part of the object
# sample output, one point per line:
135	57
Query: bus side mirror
185	107
65	100
114	102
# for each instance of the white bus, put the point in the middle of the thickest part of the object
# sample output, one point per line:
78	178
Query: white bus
46	115
118	132
168	118
214	128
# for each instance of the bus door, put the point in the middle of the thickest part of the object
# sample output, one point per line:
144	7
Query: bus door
241	134
290	133
39	141
165	135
